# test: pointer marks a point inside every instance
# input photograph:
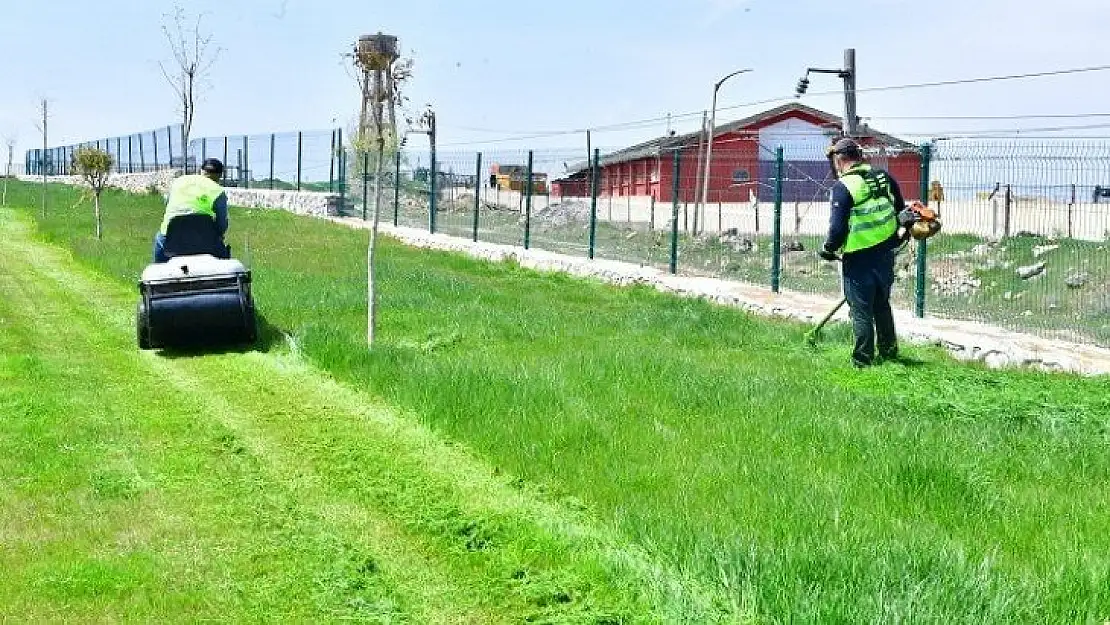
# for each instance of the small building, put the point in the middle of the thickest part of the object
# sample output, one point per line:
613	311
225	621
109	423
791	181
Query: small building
743	166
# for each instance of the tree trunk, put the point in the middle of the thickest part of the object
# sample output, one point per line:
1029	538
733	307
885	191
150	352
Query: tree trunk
371	294
96	207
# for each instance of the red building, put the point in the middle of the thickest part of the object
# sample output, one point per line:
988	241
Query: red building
743	164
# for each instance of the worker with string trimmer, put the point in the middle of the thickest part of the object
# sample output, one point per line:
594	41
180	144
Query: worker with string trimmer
867	210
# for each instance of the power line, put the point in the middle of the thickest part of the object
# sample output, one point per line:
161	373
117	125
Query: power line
985	117
647	122
1008	130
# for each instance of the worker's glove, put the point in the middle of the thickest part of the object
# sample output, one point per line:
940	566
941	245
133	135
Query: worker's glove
827	255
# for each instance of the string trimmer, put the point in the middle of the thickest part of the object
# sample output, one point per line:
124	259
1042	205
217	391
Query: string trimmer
920	222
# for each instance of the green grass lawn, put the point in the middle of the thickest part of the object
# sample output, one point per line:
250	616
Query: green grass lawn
793	486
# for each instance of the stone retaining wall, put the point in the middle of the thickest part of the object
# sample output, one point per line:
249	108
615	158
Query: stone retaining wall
300	202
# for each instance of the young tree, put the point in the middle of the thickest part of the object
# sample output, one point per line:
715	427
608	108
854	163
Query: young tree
93	165
193	57
381	75
9	142
44	106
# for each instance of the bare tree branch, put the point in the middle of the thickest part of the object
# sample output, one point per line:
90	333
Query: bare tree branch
192	61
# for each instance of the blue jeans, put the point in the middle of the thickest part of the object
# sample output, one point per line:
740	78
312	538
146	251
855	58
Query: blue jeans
868	282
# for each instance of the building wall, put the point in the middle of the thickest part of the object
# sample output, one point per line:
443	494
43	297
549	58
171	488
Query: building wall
743	167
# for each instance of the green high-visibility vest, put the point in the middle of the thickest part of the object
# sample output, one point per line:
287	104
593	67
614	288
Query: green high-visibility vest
190	194
873	219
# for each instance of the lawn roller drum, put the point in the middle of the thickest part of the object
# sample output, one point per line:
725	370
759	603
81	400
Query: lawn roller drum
195	299
199	296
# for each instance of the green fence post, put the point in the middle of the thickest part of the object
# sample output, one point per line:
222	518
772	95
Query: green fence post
1007	212
331	165
204	150
528	204
674	211
273	144
225	157
300	155
434	194
154	135
776	227
130	155
341	178
922	245
365	182
142	158
246	173
594	183
477	195
169	144
396	186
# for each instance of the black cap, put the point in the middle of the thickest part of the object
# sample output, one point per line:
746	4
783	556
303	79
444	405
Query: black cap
212	166
847	147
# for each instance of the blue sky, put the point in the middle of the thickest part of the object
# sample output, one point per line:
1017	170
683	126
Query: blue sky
497	69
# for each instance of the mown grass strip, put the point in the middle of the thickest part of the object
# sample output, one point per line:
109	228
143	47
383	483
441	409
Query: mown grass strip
790	484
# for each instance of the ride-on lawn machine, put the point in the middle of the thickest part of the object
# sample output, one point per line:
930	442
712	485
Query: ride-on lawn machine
199	296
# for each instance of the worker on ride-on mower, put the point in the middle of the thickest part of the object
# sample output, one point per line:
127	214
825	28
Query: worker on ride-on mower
192	194
866	208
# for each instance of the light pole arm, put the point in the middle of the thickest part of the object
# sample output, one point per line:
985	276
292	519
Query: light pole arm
699	202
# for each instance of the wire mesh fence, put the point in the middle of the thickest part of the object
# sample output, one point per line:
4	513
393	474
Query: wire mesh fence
152	150
1024	244
288	161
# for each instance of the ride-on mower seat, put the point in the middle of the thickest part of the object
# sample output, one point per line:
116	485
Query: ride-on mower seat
189	235
196	297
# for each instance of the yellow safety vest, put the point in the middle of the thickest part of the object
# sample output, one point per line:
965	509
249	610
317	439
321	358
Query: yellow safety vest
190	194
873	218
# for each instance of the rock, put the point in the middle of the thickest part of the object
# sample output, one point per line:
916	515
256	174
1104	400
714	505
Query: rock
1078	281
1008	295
996	360
743	246
1052	303
1041	250
793	246
1031	271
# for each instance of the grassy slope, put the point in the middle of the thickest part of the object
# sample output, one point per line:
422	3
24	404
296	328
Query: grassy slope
791	483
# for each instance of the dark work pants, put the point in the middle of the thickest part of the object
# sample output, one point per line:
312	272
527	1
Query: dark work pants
868	281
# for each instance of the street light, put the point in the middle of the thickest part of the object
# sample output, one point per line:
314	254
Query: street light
709	132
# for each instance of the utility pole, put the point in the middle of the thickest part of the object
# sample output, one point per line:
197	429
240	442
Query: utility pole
711	132
701	164
850	125
851	121
589	146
